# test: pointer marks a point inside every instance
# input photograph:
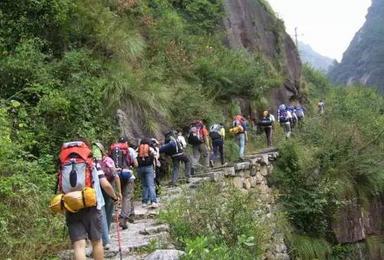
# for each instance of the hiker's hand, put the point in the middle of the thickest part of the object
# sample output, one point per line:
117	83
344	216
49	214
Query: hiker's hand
119	196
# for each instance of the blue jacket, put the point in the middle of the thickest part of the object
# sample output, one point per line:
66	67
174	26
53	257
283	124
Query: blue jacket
171	148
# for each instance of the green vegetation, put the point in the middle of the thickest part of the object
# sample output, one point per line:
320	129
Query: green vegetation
67	65
218	223
334	160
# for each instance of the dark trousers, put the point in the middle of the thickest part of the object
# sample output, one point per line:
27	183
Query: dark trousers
176	167
218	149
268	134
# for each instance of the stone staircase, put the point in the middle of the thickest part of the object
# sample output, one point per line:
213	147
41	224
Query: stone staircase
147	233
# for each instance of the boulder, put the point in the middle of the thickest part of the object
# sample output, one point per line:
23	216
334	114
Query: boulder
247	184
229	171
242	166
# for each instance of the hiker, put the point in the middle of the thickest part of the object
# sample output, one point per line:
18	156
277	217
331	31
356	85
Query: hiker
217	135
198	138
107	165
267	124
320	107
239	128
293	120
146	156
84	221
283	117
173	147
124	157
181	139
157	164
299	111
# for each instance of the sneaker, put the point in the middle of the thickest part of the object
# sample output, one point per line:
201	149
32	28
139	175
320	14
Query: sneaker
154	205
107	247
131	219
144	205
123	224
211	164
88	252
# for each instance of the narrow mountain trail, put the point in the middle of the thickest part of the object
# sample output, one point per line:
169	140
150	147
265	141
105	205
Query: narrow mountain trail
147	234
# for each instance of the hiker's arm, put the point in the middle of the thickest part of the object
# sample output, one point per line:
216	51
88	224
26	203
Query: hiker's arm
118	186
107	187
135	163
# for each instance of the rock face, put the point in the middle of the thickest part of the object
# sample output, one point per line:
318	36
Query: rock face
363	61
252	25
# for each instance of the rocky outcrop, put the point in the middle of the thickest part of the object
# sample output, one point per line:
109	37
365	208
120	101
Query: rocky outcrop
353	223
252	25
363	61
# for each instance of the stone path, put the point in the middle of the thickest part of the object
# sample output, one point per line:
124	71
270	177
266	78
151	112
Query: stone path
147	233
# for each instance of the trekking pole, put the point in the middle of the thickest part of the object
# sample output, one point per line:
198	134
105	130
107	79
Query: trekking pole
118	236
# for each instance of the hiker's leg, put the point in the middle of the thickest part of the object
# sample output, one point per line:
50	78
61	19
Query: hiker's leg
109	207
131	208
104	227
124	213
175	170
288	125
215	147
205	153
98	250
195	156
150	181
221	151
144	187
242	145
79	249
268	133
187	165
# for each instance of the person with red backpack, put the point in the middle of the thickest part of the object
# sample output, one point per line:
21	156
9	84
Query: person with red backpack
240	124
146	157
124	158
199	139
108	166
79	183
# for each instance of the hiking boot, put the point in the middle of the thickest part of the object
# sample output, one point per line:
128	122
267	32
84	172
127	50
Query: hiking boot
188	180
107	247
211	164
131	219
144	205
123	223
89	252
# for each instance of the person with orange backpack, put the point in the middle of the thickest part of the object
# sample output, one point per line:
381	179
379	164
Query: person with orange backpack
146	157
198	137
79	185
239	128
124	158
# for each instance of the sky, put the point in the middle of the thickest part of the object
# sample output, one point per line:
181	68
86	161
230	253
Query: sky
328	26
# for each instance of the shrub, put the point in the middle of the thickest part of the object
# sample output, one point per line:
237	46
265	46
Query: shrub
217	222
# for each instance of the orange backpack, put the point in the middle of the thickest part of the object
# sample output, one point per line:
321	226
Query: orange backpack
144	155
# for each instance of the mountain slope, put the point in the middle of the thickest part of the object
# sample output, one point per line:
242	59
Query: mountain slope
363	61
316	60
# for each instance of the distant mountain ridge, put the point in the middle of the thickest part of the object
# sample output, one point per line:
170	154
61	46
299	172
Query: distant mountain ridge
363	61
310	56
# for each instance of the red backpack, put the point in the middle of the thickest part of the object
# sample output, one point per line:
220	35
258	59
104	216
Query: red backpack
76	167
119	152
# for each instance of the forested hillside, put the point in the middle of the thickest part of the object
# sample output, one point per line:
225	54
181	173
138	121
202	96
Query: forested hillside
363	61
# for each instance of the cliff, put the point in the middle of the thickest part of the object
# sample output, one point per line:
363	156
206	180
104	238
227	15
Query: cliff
363	61
253	25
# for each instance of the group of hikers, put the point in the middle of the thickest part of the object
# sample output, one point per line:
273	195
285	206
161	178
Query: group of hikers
91	179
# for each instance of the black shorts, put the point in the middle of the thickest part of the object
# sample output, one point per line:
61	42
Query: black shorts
84	224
